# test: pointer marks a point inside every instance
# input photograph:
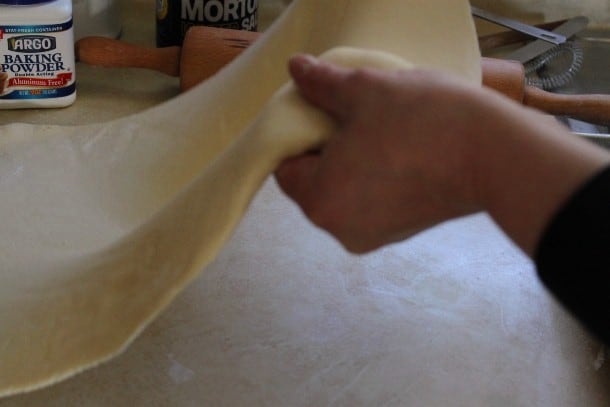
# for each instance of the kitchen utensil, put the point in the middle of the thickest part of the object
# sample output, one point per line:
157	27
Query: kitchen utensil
571	58
206	50
544	35
508	77
538	54
493	41
539	47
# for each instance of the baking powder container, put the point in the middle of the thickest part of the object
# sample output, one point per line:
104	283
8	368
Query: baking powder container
37	67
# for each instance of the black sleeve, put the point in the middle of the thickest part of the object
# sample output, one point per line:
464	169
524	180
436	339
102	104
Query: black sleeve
573	256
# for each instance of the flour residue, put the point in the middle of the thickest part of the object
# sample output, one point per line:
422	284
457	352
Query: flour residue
178	372
600	359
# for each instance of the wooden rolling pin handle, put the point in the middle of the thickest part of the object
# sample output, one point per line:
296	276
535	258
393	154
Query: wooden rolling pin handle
590	108
106	52
506	77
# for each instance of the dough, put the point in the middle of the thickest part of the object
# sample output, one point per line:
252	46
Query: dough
104	225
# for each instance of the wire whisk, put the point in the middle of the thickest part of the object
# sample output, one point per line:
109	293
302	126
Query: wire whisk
536	72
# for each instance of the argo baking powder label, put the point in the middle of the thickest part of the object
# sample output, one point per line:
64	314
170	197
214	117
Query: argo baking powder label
37	61
175	17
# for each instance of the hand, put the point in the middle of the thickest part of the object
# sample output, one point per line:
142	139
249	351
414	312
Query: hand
374	182
415	148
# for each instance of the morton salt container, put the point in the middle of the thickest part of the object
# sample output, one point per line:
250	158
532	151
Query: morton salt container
37	68
175	17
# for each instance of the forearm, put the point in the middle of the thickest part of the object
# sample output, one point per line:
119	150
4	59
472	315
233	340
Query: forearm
528	171
424	147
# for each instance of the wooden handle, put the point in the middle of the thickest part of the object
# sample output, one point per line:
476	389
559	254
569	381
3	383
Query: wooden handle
206	50
113	53
590	108
506	77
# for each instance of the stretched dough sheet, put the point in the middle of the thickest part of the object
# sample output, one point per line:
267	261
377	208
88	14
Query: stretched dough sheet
103	225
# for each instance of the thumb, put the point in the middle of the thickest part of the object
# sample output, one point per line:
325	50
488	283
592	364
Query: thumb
320	83
296	177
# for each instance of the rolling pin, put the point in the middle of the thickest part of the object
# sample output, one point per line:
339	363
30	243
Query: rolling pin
206	50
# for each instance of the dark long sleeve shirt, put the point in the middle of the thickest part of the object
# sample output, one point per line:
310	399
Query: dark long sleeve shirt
573	256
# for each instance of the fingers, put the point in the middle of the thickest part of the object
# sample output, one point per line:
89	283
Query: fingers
295	176
321	83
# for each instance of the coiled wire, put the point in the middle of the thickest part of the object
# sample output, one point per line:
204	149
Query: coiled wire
535	69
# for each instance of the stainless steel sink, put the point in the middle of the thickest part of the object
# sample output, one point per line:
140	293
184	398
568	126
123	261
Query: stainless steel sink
592	77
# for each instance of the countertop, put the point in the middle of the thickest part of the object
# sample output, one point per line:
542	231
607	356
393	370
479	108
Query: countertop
285	317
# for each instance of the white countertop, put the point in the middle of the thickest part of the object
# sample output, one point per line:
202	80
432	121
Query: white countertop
285	317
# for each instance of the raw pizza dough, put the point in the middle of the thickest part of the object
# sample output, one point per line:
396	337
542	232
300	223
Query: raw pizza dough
104	225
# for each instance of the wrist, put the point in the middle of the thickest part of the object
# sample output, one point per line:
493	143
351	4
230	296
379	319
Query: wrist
527	170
